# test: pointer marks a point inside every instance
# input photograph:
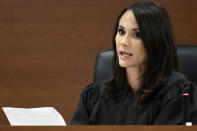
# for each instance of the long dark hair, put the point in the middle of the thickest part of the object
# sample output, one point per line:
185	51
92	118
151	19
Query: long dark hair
157	37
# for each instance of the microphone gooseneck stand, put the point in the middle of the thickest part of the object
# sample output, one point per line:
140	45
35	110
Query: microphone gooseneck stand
186	107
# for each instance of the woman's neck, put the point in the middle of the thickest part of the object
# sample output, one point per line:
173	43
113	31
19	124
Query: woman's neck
134	77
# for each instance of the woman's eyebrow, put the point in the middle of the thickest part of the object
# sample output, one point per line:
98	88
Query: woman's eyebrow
121	26
135	29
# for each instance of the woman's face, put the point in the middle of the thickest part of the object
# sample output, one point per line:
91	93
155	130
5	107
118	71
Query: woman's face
130	49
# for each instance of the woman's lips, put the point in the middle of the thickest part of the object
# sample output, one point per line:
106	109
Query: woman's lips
124	55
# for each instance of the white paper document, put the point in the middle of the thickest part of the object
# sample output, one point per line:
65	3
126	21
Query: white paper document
43	116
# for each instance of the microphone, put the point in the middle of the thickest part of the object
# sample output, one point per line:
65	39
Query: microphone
186	107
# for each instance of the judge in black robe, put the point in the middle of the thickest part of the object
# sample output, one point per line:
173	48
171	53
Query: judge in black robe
144	53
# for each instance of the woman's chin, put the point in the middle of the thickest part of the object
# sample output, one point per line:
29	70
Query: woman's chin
124	65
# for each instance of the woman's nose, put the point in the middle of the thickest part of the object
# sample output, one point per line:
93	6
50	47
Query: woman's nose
124	41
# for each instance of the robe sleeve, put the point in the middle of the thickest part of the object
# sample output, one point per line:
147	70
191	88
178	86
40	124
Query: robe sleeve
88	98
172	110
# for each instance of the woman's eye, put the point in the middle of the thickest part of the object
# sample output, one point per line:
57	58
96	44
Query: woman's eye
137	34
121	31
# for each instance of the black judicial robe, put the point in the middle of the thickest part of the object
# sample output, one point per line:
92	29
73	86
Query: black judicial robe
166	107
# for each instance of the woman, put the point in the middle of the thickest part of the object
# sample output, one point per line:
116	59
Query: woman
146	86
